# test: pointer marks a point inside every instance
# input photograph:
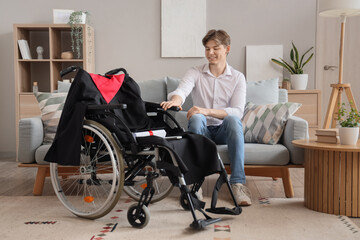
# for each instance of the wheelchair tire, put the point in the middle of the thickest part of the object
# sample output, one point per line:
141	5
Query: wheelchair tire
92	189
162	186
139	220
184	202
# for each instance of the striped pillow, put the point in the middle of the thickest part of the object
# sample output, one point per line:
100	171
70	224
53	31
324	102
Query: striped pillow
51	105
265	123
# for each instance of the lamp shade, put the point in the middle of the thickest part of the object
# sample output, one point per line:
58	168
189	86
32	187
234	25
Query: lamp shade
337	8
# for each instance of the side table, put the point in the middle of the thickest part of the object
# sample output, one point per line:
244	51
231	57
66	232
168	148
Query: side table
332	177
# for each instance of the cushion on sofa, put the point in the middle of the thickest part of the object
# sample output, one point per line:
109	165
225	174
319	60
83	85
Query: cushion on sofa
40	154
153	90
254	154
51	105
63	86
263	92
265	123
172	84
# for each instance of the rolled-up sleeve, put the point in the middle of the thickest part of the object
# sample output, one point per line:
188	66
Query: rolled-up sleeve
238	99
186	85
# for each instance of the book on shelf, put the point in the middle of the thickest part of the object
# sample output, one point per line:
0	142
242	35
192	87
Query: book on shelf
24	49
327	132
327	139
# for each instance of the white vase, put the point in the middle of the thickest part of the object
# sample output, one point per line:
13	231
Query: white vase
83	18
349	135
299	81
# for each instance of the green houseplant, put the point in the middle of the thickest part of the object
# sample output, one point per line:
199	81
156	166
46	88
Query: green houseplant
296	67
75	20
349	125
349	118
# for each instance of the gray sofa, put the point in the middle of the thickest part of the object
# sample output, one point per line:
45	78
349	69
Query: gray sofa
260	159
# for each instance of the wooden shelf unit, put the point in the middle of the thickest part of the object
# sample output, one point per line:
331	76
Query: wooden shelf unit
310	109
55	39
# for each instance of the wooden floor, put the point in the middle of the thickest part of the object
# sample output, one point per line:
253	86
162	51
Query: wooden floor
16	181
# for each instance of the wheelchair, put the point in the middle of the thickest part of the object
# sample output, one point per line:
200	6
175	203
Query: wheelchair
110	158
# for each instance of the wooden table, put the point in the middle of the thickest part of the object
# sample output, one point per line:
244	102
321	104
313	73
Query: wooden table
332	177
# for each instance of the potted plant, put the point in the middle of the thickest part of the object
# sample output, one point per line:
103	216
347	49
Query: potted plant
75	20
349	125
298	78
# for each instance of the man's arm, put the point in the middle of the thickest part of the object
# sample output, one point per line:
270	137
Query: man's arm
177	97
216	113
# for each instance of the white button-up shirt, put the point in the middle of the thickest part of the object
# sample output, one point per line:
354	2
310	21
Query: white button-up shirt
226	92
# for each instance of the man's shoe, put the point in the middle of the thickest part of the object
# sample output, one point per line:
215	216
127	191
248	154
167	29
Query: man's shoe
199	194
242	194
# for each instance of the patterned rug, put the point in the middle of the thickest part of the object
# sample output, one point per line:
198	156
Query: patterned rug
45	218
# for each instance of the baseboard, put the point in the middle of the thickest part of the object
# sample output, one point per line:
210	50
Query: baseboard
7	155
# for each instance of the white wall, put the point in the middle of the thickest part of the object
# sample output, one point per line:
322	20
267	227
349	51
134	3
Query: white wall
127	34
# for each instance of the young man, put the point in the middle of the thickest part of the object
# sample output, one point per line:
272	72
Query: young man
218	92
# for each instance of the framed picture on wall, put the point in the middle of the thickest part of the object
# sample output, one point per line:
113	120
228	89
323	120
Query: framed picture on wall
183	25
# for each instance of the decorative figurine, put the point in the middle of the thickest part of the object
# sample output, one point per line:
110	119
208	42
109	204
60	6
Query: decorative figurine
40	51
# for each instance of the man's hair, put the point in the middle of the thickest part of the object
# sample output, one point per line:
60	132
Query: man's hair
219	36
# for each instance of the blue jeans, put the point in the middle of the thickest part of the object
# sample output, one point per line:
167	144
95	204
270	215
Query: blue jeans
230	132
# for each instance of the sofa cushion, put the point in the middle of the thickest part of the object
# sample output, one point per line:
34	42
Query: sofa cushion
263	92
283	95
172	84
276	154
51	105
153	90
40	154
265	123
63	86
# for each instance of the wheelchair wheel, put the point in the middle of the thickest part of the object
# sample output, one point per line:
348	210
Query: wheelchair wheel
184	202
138	219
162	185
92	189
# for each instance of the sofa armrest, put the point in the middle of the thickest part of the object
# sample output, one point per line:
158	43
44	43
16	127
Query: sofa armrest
295	128
31	136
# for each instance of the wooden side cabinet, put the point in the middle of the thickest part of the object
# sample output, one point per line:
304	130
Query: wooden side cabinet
310	109
55	39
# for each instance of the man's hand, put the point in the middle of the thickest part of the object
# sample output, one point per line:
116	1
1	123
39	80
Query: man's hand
216	113
174	102
197	110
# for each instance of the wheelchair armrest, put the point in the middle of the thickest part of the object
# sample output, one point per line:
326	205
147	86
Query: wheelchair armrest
107	106
151	106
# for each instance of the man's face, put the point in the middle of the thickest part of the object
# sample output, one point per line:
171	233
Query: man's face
216	53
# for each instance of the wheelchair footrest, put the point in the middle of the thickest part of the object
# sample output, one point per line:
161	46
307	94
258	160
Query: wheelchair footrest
202	223
225	210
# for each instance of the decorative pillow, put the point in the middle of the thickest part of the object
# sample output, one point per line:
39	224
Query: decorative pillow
63	86
265	123
51	105
263	92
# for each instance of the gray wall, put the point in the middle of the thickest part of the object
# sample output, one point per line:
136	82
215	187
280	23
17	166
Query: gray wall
127	34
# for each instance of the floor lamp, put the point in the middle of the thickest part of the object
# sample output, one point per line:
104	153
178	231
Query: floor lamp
342	9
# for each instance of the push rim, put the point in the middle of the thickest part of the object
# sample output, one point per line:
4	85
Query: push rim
93	188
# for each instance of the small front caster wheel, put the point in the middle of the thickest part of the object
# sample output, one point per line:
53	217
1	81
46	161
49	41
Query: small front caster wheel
184	202
138	218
